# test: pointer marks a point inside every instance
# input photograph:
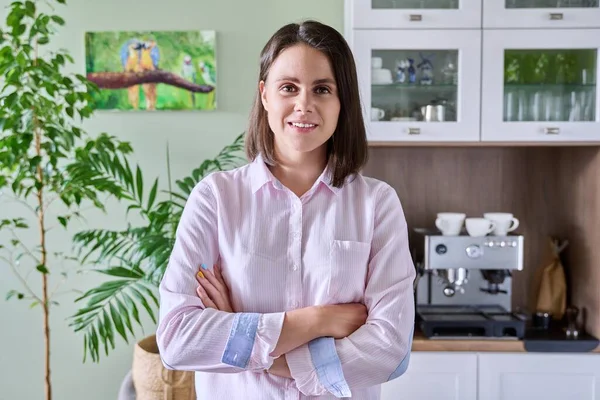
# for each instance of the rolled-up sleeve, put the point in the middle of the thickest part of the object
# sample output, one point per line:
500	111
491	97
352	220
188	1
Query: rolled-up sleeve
379	350
190	336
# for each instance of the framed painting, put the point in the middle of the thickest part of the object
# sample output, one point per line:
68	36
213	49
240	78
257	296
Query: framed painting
163	70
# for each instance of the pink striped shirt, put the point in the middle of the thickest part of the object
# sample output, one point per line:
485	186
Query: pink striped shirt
278	253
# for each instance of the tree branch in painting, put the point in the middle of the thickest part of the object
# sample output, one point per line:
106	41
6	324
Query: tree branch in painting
121	80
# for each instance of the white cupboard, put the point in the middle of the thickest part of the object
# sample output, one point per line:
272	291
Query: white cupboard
497	376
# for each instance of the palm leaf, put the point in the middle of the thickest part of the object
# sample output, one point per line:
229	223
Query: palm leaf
136	257
109	308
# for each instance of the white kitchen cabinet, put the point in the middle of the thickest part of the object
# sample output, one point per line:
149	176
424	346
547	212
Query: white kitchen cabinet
439	376
540	86
397	85
548	376
526	75
541	14
414	14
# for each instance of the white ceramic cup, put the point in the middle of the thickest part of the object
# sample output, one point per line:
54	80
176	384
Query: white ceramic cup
505	222
450	223
377	114
479	226
376	62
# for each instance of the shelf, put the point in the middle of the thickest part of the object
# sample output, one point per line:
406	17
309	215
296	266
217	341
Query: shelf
549	86
413	86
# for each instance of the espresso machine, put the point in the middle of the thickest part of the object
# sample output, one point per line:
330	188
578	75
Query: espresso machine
464	285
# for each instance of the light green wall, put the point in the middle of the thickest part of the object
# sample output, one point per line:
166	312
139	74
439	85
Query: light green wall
242	26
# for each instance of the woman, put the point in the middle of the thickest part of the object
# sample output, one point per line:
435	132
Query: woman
311	289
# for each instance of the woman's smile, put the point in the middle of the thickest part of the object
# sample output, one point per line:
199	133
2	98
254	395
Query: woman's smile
302	127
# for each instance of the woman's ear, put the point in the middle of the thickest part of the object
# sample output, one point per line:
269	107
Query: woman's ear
263	94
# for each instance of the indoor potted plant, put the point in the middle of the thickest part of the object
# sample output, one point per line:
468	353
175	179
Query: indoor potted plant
47	163
135	260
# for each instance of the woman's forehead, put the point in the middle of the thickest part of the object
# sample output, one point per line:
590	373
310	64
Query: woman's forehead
302	63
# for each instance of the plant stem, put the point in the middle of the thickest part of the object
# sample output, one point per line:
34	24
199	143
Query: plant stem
27	251
45	303
20	278
40	197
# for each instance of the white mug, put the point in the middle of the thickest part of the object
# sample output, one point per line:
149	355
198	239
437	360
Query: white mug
505	222
377	114
376	62
479	226
449	223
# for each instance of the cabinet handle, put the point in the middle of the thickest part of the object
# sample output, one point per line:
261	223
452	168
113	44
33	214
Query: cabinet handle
414	131
552	130
416	17
556	16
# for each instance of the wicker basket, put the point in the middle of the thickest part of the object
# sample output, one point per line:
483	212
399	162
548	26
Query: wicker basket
152	381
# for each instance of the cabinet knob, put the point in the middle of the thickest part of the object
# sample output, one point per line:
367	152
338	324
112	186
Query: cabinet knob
552	130
416	17
414	131
556	16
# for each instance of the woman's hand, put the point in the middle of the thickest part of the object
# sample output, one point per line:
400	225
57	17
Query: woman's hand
212	289
280	367
341	320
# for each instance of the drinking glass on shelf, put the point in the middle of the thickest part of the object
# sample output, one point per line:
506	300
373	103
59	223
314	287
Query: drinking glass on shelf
510	105
574	107
522	106
535	107
557	108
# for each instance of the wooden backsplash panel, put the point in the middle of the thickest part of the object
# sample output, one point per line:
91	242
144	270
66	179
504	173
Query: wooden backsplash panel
535	183
580	208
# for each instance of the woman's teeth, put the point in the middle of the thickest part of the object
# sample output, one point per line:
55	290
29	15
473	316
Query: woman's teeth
302	125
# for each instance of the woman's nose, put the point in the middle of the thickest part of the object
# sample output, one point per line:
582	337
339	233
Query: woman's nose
304	102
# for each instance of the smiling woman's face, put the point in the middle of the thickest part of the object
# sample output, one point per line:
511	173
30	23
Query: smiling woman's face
301	99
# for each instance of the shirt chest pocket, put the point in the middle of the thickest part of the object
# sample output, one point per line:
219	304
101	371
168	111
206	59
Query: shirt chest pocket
348	266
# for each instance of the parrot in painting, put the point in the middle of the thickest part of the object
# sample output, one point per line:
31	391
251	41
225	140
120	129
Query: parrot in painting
208	75
188	72
130	60
149	59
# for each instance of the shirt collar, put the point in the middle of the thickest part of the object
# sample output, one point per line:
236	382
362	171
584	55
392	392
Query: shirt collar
260	175
326	178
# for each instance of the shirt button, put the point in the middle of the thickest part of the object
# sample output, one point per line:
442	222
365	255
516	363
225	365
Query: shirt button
295	304
295	268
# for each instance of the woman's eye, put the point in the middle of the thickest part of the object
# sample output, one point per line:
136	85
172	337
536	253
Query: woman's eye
323	90
287	88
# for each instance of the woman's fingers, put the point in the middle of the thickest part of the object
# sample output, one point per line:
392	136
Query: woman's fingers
212	288
208	287
216	282
204	297
217	269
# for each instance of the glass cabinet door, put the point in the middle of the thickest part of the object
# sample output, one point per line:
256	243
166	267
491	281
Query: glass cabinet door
424	14
419	87
541	14
541	86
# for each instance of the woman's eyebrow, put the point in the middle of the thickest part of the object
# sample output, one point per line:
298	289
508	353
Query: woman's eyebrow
316	82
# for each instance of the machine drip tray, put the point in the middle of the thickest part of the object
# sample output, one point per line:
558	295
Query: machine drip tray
470	322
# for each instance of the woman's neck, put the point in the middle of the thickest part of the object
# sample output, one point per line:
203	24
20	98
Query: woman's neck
300	173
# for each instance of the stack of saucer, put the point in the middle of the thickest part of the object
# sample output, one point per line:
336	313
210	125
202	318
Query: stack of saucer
379	75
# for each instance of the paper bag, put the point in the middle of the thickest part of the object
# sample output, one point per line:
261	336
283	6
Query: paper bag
552	295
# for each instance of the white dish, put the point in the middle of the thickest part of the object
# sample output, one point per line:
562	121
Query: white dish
381	76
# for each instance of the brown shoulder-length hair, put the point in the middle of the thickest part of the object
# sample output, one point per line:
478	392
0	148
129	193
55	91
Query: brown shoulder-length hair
347	150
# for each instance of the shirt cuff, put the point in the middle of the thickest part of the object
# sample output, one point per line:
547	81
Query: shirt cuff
401	369
252	339
317	369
